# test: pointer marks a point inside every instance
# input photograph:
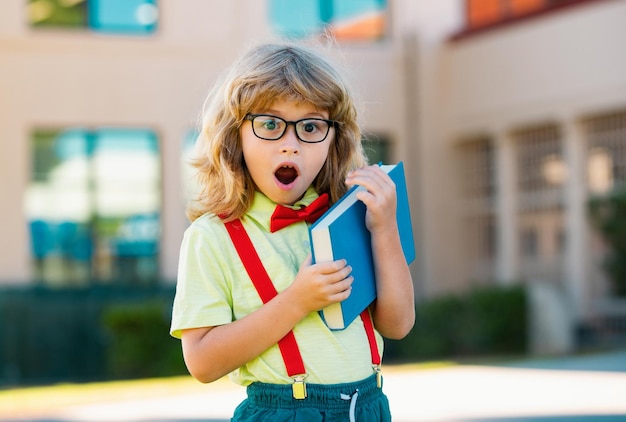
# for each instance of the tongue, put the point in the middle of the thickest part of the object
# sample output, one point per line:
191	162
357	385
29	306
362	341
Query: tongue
286	175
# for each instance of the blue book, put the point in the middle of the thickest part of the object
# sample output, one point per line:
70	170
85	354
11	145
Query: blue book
341	234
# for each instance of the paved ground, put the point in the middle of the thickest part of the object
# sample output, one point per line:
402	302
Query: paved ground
588	388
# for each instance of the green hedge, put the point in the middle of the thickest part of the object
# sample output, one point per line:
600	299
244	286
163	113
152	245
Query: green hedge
139	344
93	333
52	335
485	321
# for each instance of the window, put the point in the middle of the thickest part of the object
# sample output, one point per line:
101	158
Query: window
605	137
541	173
377	149
606	160
530	243
478	168
477	181
347	20
109	16
540	161
93	205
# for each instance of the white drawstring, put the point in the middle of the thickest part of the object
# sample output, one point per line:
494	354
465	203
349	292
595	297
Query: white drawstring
352	403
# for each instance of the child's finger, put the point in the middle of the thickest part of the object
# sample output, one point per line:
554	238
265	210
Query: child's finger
308	261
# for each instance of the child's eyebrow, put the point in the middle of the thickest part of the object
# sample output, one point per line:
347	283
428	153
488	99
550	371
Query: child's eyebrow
313	114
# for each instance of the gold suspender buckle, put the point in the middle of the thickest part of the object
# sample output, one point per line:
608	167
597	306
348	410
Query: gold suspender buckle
379	376
299	387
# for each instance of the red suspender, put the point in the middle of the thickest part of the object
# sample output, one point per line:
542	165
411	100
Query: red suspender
264	286
251	261
371	338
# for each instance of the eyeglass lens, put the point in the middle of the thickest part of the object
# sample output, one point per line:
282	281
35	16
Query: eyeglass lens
273	128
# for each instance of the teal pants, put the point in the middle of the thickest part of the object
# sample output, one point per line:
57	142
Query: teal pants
362	401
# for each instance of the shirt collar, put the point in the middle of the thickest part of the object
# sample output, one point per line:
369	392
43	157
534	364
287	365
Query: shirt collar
263	207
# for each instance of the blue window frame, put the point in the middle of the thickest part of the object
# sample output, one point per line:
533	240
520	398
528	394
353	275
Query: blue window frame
128	16
93	205
136	17
345	19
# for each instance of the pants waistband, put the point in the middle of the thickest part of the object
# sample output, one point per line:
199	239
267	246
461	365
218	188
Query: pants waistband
322	396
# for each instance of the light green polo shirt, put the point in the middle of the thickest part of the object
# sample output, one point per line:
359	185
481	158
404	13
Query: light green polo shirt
214	288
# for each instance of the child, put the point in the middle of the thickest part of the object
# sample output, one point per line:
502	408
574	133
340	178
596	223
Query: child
280	134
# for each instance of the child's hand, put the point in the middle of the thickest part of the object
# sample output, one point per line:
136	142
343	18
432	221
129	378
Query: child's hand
379	196
319	285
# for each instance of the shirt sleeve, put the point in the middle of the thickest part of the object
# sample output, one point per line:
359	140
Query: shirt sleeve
203	292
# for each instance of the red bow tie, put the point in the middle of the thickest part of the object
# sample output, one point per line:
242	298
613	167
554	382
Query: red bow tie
284	216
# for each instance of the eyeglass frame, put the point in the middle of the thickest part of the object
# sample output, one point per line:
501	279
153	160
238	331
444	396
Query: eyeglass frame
330	123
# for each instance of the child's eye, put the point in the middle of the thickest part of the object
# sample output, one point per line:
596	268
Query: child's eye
310	126
270	124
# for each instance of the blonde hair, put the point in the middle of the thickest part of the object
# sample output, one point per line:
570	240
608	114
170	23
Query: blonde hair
263	75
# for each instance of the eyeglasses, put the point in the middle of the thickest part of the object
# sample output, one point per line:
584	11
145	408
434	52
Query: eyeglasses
272	128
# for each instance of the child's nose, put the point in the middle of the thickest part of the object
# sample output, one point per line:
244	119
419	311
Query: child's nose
290	141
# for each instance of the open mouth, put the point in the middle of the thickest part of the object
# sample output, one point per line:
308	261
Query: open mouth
286	174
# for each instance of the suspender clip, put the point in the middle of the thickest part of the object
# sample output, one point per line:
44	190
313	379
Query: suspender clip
299	387
379	375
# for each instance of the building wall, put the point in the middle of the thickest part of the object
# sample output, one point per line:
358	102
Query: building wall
67	78
424	31
551	72
56	78
440	100
539	69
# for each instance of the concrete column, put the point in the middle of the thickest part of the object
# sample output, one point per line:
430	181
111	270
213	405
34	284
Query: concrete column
550	325
575	259
506	209
173	217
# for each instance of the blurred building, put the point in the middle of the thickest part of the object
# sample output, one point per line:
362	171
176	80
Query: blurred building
534	110
509	115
